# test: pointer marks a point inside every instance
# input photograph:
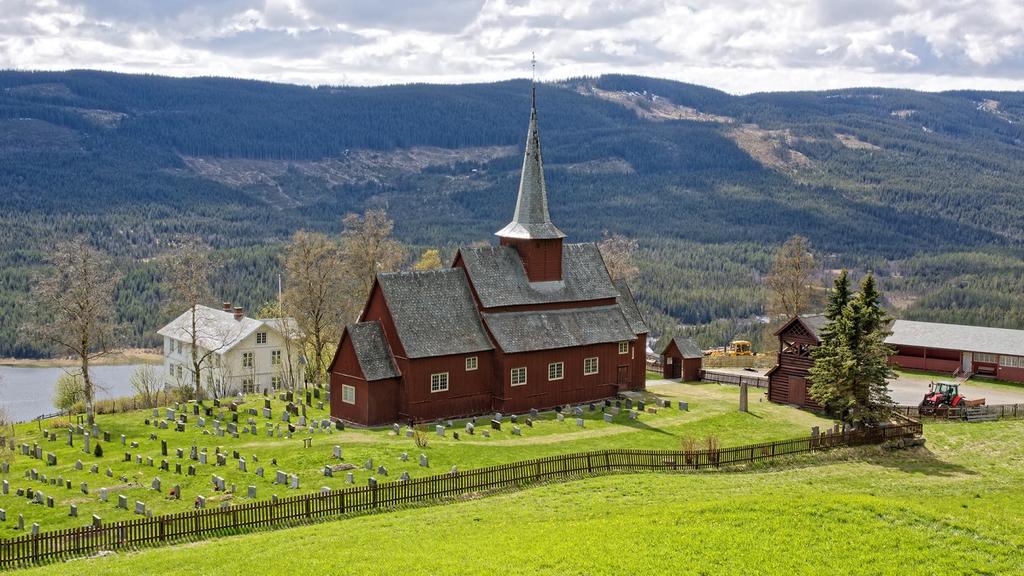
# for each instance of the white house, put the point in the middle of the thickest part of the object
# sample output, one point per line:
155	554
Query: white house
241	353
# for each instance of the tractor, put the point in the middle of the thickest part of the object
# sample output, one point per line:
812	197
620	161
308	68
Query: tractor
940	395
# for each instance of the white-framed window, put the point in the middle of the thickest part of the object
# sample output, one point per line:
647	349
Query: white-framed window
275	382
246	359
177	345
261	337
983	357
1012	361
439	382
590	366
275	357
556	370
180	371
348	394
472	363
519	376
247	386
623	347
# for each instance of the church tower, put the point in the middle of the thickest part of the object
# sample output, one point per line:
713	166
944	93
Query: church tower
531	233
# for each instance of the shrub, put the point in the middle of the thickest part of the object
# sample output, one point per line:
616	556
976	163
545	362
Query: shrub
69	395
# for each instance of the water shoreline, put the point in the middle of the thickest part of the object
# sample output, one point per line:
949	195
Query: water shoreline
116	358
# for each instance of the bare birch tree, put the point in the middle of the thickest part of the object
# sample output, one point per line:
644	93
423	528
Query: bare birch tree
72	306
187	274
288	328
619	253
367	249
313	295
790	280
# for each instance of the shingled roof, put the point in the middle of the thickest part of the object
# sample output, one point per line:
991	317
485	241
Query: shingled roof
630	309
1004	341
686	346
372	350
499	278
434	312
546	330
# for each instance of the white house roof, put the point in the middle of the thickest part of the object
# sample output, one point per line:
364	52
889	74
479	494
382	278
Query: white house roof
957	337
216	330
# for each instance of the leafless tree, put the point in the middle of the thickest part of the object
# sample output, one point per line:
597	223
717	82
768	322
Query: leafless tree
619	254
790	280
314	279
187	276
367	248
147	385
72	307
288	328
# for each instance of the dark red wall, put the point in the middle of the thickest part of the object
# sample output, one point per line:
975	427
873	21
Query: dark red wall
788	382
468	392
691	369
541	258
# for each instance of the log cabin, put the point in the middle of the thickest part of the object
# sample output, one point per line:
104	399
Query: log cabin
530	323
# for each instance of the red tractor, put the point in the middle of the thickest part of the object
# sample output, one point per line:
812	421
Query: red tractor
941	395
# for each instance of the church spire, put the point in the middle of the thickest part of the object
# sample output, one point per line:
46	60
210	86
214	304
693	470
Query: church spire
531	219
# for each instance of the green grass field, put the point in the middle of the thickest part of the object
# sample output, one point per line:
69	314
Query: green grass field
712	412
953	507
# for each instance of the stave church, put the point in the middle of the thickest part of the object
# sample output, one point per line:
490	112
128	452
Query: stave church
533	322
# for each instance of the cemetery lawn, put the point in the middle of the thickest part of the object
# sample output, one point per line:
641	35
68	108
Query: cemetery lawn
952	507
712	412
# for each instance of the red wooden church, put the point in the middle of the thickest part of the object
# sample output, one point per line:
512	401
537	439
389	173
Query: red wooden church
532	323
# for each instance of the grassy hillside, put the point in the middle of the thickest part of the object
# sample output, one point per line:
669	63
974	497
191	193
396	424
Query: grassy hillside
922	188
951	508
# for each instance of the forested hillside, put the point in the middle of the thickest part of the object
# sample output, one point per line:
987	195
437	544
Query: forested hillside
925	189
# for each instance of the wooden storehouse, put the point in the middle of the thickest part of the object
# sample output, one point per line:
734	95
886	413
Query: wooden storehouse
788	381
993	352
531	323
682	358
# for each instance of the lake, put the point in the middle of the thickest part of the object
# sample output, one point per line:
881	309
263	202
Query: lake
28	392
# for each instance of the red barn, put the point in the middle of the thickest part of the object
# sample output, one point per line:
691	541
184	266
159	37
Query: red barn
788	381
994	352
531	323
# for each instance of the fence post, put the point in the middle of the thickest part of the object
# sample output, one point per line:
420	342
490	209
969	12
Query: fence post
162	538
343	502
590	468
308	496
607	461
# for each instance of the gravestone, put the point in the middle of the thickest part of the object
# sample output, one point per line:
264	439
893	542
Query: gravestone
608	417
470	428
252	492
35	528
294	484
21	521
96	521
241	465
85	441
200	502
632	414
350	478
3	515
337	452
454	471
580	422
382	471
74	511
496	424
95	469
516	431
404	477
369	464
404	457
529	422
684	406
424	462
103	494
191	470
560	417
486	433
85	487
281	478
6	487
122	501
179	452
440	430
577	411
259	471
155	485
409	433
163	447
140	507
78	464
328	471
371	482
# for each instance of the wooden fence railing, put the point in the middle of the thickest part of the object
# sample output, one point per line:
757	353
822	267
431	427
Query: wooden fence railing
737	379
68	543
998	410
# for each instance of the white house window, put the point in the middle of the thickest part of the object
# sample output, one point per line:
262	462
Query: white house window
590	366
348	394
471	363
261	337
180	371
246	359
439	382
275	382
556	370
519	376
982	357
247	386
623	347
1012	361
275	357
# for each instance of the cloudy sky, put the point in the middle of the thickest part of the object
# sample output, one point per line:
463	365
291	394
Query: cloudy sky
737	45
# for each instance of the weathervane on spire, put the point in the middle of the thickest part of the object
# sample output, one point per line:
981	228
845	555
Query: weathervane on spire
533	77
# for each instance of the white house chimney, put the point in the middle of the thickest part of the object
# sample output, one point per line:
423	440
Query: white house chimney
239	313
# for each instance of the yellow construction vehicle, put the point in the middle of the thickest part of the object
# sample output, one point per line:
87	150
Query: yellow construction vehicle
735	348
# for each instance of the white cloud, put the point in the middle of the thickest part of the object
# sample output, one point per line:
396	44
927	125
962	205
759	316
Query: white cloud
737	45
